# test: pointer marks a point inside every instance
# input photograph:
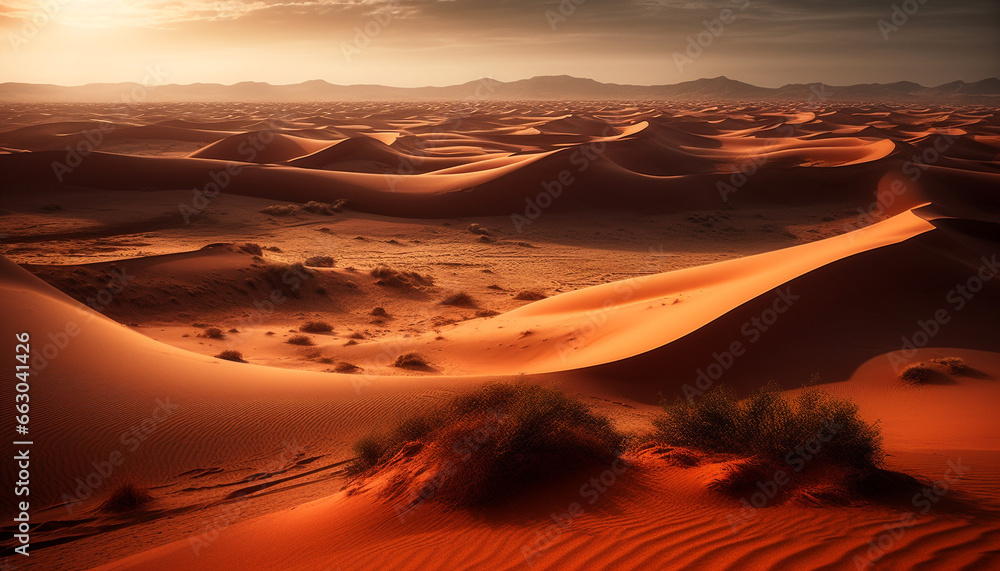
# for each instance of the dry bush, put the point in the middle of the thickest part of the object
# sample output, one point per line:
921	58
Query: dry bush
387	276
280	210
769	426
952	365
299	340
411	361
916	373
530	296
524	434
320	262
214	333
460	299
231	355
127	496
316	327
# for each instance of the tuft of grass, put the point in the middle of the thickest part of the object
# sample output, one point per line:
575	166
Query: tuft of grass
411	361
530	295
280	210
952	365
214	333
231	355
127	496
916	373
319	262
523	434
316	327
345	367
299	340
387	276
460	299
769	426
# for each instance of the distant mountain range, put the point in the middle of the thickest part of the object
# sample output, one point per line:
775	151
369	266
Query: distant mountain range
562	87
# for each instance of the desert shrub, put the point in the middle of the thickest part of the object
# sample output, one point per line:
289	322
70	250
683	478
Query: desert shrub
769	426
231	355
320	262
323	208
315	327
523	433
280	210
951	365
411	361
214	333
345	367
380	312
127	496
916	373
460	299
387	276
299	340
530	296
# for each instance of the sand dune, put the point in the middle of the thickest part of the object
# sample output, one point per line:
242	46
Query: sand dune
624	252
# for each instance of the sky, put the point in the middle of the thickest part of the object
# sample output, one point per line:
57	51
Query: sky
444	42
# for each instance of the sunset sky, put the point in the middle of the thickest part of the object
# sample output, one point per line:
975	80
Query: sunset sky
442	42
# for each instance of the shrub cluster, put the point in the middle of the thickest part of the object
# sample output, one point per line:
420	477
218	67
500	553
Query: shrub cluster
499	439
770	426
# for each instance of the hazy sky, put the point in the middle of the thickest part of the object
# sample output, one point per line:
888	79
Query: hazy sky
441	42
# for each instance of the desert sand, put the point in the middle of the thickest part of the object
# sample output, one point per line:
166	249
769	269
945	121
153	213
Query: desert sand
619	251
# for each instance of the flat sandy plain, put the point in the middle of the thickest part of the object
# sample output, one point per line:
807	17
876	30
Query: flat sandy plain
616	250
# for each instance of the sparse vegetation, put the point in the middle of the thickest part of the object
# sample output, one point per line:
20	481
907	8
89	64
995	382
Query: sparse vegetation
280	210
529	295
127	496
523	434
411	361
386	276
304	340
231	355
768	426
916	373
323	208
461	299
951	365
316	327
320	262
214	333
345	367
